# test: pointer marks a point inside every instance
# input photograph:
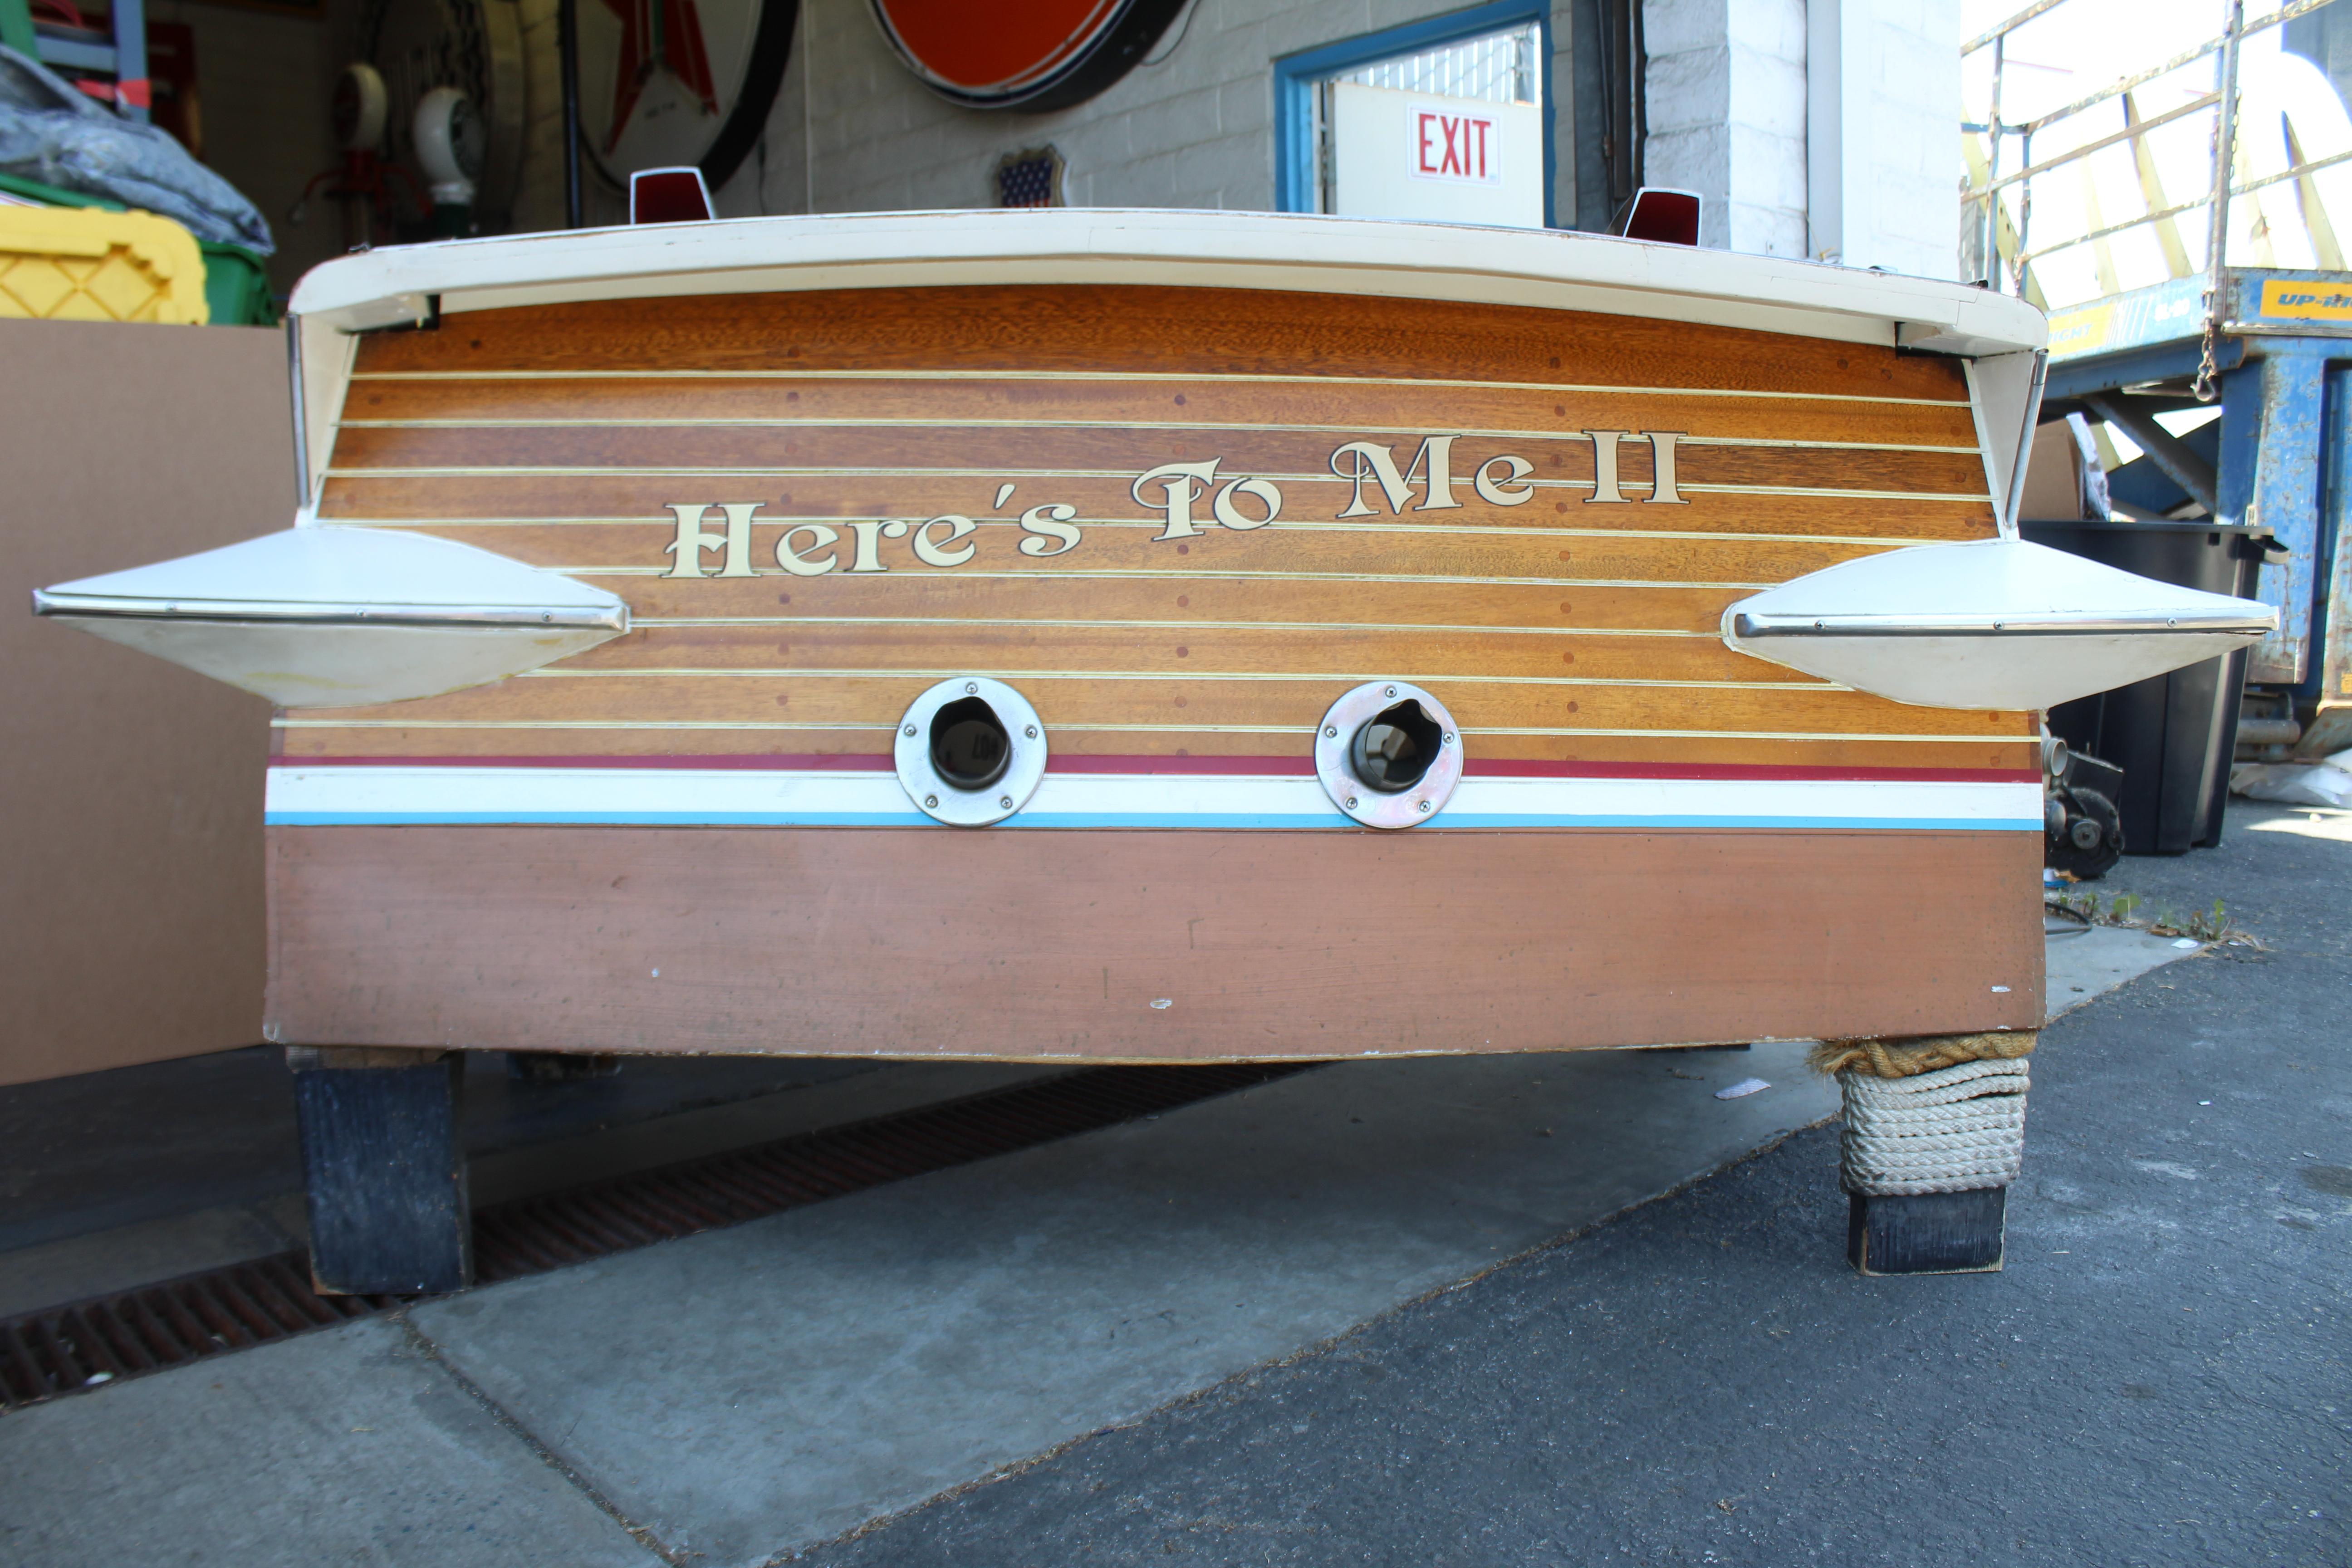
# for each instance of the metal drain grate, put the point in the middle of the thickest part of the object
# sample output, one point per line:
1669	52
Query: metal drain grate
88	1344
68	1349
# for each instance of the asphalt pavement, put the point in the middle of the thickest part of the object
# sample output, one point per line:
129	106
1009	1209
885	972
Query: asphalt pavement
2158	1377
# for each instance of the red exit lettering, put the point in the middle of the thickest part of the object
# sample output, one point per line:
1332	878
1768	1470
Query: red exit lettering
1452	146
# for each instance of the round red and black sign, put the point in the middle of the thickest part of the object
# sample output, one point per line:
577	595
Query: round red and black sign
670	82
1023	54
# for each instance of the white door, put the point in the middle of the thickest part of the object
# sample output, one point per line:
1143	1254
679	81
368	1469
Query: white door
1404	154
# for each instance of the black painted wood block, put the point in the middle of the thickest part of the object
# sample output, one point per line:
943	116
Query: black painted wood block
1927	1233
386	1170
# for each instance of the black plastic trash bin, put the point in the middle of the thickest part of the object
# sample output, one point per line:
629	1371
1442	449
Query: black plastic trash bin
2172	734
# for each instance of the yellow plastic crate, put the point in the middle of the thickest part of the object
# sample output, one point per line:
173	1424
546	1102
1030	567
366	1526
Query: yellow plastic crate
83	264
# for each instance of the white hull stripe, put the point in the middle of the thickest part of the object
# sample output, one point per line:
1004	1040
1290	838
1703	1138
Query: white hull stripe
354	796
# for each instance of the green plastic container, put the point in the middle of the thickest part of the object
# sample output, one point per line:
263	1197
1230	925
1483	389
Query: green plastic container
236	286
236	281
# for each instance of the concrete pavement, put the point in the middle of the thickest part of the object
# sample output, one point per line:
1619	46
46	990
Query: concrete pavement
348	1446
757	1389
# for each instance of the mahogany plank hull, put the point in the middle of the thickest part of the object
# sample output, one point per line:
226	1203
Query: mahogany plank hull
819	503
1567	618
1141	946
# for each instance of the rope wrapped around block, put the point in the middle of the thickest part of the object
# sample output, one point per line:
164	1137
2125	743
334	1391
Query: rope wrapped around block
1941	1113
1953	1129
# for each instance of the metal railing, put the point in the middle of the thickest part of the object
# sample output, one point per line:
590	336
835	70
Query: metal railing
1999	225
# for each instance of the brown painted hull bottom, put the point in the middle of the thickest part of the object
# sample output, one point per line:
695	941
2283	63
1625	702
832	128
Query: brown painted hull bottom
1138	945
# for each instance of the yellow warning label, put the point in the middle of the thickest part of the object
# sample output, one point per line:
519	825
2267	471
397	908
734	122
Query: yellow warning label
2080	331
2307	299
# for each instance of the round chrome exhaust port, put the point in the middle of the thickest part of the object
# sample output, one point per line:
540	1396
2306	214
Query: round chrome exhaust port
970	752
1389	755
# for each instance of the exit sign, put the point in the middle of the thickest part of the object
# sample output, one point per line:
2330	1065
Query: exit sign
1457	142
1437	160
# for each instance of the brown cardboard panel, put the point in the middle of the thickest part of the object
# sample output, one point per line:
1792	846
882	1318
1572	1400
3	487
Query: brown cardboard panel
2057	475
129	789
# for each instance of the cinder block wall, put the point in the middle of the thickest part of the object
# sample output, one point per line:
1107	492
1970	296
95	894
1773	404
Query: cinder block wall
1732	85
855	131
1727	115
1901	95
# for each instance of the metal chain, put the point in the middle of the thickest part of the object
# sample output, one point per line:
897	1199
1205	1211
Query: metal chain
2217	233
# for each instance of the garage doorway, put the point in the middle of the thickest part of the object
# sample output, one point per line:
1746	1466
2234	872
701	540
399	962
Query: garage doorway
1445	120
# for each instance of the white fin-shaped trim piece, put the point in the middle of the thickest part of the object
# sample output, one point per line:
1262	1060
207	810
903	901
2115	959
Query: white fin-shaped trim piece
1993	623
341	617
2005	396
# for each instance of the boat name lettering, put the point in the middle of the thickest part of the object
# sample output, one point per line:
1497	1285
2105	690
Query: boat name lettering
1188	498
1176	482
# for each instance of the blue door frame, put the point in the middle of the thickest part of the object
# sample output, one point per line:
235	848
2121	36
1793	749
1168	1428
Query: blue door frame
1294	77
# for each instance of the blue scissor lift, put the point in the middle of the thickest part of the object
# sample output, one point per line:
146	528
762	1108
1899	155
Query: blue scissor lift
2276	458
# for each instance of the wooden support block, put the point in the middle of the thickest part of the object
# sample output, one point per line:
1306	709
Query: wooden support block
384	1166
1927	1233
